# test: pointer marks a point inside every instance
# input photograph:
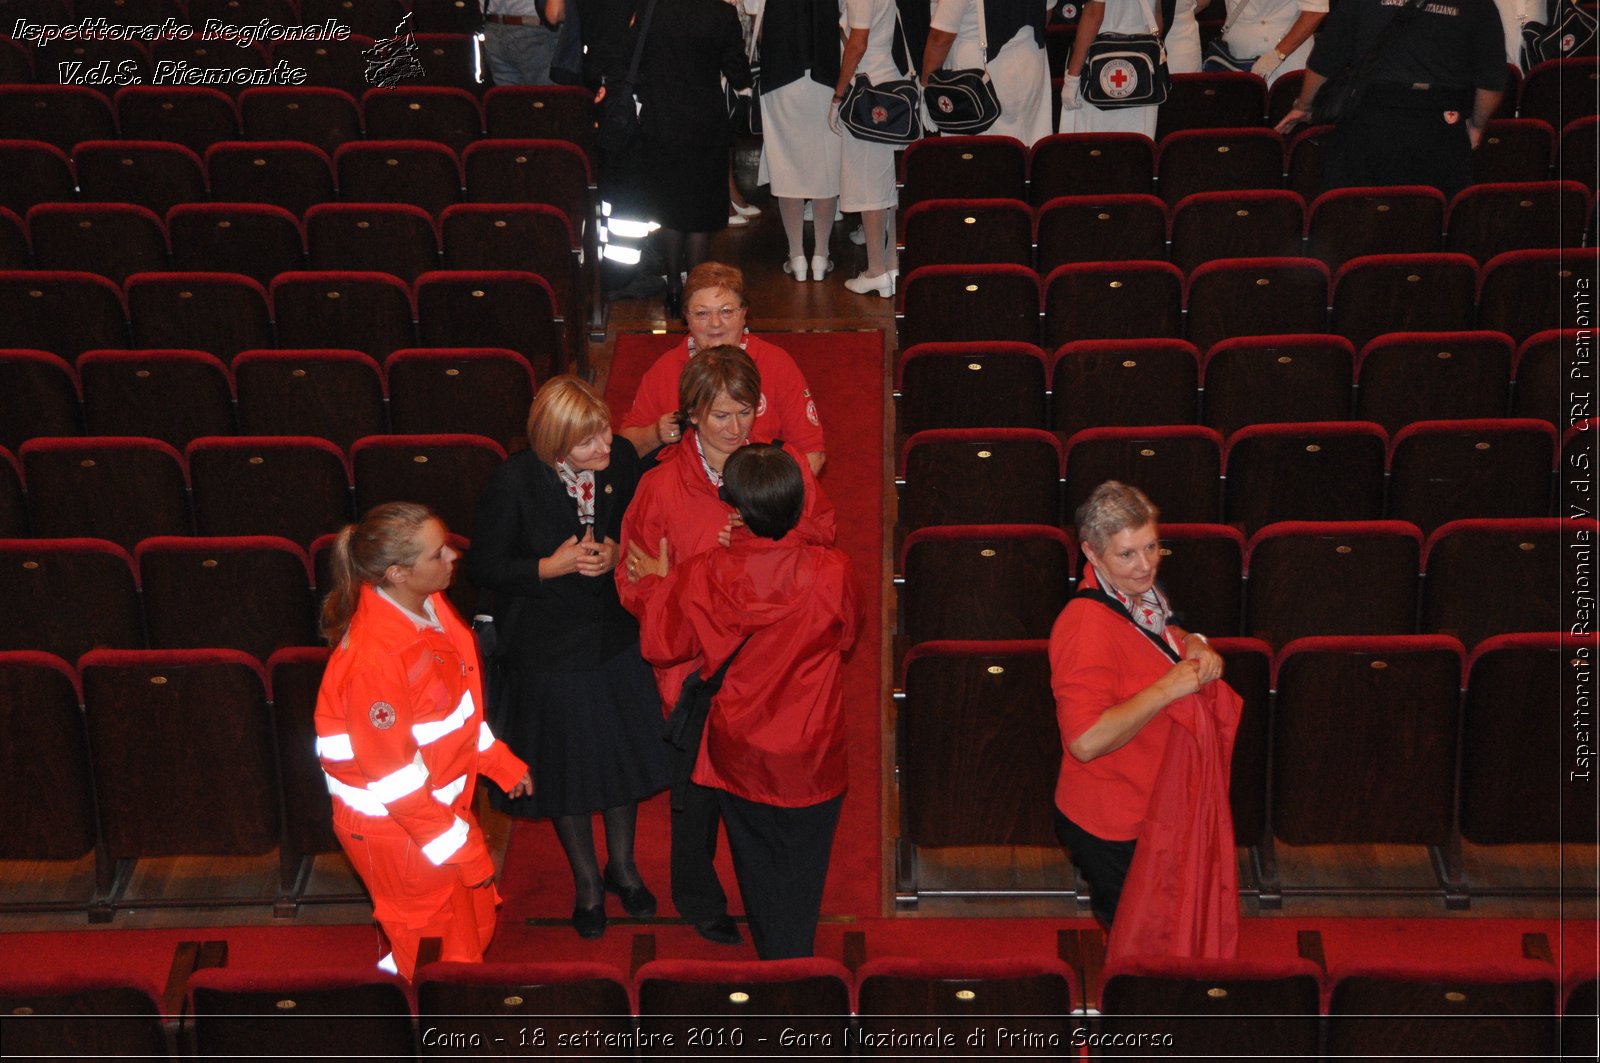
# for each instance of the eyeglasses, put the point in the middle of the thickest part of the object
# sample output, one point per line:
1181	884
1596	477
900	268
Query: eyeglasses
700	315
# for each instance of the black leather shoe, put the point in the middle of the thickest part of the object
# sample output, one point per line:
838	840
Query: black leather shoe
589	922
637	901
720	930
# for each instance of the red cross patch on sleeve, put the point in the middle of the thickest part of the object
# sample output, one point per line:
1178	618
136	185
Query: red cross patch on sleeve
382	715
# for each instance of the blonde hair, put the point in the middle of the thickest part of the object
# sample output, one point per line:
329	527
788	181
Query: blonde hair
565	412
1110	508
363	552
713	371
714	275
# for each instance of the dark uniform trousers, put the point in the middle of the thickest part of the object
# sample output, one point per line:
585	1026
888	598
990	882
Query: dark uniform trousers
780	857
1103	864
697	893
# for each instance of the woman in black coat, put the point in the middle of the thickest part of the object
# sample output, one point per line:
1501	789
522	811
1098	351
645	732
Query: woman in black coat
690	46
578	702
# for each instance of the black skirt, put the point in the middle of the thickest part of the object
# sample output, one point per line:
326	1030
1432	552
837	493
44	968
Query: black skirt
591	739
687	184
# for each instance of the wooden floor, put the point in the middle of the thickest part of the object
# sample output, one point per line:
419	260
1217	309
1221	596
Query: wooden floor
1029	881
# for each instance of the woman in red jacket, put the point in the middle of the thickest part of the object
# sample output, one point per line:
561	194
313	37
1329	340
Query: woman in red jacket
774	744
401	736
677	512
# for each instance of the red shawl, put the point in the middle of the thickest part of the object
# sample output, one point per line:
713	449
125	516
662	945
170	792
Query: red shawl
1181	897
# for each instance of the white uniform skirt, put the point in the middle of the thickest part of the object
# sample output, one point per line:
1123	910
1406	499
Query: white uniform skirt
799	153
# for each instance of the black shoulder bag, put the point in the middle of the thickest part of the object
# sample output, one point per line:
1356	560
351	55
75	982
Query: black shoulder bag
964	102
889	112
1126	69
1339	95
619	117
686	724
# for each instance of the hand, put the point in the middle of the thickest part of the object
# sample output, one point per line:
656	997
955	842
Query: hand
1474	134
1198	649
1295	116
524	786
833	117
1071	99
1182	680
554	12
1265	65
597	558
564	561
641	564
725	536
667	428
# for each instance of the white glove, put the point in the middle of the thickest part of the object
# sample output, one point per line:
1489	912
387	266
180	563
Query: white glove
1070	100
1265	65
833	117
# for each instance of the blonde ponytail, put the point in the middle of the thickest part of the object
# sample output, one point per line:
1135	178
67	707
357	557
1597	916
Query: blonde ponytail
362	553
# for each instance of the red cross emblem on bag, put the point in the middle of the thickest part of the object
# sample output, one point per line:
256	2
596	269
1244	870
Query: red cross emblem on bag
945	105
880	115
1118	79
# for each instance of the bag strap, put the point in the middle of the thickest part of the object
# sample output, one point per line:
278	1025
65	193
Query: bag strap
1401	18
755	34
638	46
1095	594
911	60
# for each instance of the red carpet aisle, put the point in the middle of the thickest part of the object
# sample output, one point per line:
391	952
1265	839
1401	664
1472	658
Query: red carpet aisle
845	370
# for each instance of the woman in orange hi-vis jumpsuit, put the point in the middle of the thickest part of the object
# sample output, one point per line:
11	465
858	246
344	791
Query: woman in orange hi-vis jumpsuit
402	738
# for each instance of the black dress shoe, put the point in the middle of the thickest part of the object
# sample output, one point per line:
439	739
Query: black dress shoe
637	901
720	930
589	922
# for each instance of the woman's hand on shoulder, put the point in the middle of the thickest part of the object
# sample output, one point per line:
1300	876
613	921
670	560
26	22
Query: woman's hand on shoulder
641	564
725	536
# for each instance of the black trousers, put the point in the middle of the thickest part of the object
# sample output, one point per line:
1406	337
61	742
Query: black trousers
697	893
1104	865
780	856
1400	136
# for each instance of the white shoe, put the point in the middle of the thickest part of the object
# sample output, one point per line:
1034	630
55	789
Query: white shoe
738	219
883	284
796	267
821	266
858	236
748	210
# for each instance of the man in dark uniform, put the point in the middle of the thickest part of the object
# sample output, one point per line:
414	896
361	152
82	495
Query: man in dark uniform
1432	87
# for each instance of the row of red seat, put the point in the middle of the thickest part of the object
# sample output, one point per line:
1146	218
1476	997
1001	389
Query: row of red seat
813	1007
1396	379
159	175
1481	221
1289	580
254	594
126	489
117	240
67	313
1366	740
198	117
1428	473
178	396
1517	292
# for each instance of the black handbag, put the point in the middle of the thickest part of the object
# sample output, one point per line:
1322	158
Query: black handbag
1568	30
686	724
1126	70
744	107
1216	58
886	113
619	111
964	102
1339	96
